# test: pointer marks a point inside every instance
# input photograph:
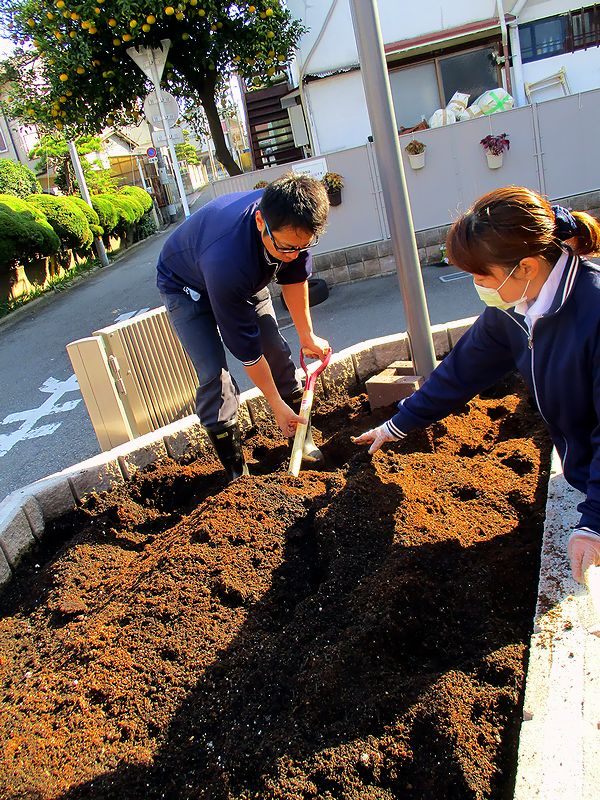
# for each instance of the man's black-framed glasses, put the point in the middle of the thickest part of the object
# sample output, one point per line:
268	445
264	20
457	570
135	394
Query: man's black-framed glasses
312	242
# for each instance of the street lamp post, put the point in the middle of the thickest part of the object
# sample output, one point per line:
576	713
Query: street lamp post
365	19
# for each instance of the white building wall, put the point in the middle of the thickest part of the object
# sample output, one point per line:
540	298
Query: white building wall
337	46
336	106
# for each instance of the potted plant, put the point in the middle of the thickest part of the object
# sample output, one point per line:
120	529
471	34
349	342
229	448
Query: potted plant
334	184
494	147
260	185
416	153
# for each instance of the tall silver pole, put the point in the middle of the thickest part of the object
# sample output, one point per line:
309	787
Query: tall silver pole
365	19
170	145
85	194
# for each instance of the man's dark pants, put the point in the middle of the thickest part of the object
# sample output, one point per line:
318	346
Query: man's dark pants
217	397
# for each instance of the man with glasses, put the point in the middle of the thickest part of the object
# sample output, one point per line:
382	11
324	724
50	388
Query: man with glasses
213	276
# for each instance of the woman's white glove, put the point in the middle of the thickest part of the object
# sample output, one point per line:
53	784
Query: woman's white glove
584	552
376	437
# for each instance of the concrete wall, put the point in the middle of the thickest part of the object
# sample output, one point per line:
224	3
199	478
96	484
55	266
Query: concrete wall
546	154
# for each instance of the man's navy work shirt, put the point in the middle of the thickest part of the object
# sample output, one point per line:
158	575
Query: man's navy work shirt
218	252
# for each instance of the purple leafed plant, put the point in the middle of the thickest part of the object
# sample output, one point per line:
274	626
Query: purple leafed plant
496	145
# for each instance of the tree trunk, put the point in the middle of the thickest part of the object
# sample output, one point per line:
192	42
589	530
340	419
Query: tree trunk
207	98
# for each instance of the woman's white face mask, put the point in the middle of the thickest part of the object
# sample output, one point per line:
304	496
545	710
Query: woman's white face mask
492	297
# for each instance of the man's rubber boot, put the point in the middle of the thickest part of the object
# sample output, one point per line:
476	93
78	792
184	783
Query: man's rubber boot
227	441
310	452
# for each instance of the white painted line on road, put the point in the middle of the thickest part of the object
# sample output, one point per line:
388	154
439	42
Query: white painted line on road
130	314
454	276
56	389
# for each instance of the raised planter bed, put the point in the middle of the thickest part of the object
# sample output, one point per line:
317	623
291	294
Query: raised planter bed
355	633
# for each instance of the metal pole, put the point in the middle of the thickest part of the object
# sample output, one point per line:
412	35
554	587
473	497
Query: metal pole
365	19
171	146
98	243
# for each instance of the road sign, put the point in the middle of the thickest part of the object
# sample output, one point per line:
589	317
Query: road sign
153	160
151	60
152	109
161	139
151	152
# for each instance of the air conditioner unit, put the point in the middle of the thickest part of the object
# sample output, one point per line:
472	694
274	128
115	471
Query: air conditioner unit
134	377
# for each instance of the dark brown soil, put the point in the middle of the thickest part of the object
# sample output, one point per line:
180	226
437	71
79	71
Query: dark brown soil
356	633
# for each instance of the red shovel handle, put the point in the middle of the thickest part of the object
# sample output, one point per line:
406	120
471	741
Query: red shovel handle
312	378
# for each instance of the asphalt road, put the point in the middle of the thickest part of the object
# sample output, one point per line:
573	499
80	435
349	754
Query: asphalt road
44	425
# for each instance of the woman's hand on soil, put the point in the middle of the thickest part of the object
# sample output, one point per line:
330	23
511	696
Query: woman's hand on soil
584	552
286	419
376	437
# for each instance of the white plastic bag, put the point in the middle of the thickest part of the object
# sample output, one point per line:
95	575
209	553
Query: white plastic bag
458	103
495	100
471	112
441	117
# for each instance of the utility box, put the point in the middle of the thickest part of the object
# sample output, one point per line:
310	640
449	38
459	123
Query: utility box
134	376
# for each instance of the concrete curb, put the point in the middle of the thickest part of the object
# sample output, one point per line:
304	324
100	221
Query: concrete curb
559	751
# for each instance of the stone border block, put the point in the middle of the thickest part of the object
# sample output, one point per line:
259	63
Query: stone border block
34	515
16	537
96	477
340	373
54	495
458	328
391	348
5	571
441	340
136	458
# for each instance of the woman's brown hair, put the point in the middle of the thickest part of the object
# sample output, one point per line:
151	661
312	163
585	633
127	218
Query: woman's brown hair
512	223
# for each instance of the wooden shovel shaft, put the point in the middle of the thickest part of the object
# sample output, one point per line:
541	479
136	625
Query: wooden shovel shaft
592	582
301	428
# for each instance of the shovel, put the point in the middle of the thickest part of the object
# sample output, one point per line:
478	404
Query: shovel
592	610
305	407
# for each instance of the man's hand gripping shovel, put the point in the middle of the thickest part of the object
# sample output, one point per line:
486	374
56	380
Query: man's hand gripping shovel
305	408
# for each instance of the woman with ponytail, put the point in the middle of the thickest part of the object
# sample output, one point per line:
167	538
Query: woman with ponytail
542	318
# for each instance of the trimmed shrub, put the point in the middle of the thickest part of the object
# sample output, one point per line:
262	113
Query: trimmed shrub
145	227
107	212
128	209
139	194
22	236
50	242
69	222
17	179
90	214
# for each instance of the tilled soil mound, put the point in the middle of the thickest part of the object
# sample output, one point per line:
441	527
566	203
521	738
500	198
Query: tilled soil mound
359	632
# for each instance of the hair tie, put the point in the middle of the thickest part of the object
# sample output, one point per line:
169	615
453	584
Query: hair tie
565	223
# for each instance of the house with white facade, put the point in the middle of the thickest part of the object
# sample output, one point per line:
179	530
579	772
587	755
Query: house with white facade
534	49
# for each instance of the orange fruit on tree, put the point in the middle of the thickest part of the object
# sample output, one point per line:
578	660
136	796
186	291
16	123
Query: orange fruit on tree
269	12
112	22
116	42
150	19
146	27
63	77
169	10
127	37
133	23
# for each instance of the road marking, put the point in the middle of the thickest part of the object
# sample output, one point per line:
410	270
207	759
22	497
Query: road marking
130	314
31	416
453	276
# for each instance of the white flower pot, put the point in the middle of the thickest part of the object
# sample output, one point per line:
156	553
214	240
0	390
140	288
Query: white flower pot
494	162
417	160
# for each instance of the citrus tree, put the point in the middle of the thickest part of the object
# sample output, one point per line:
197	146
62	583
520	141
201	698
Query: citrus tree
52	152
71	70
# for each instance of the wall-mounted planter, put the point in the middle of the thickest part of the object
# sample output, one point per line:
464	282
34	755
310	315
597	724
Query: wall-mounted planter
417	160
335	197
494	162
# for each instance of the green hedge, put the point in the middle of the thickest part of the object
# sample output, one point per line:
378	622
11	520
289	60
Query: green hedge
68	220
128	209
139	194
24	232
17	179
107	212
90	213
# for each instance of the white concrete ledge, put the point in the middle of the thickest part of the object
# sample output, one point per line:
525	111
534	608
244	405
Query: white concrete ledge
559	752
